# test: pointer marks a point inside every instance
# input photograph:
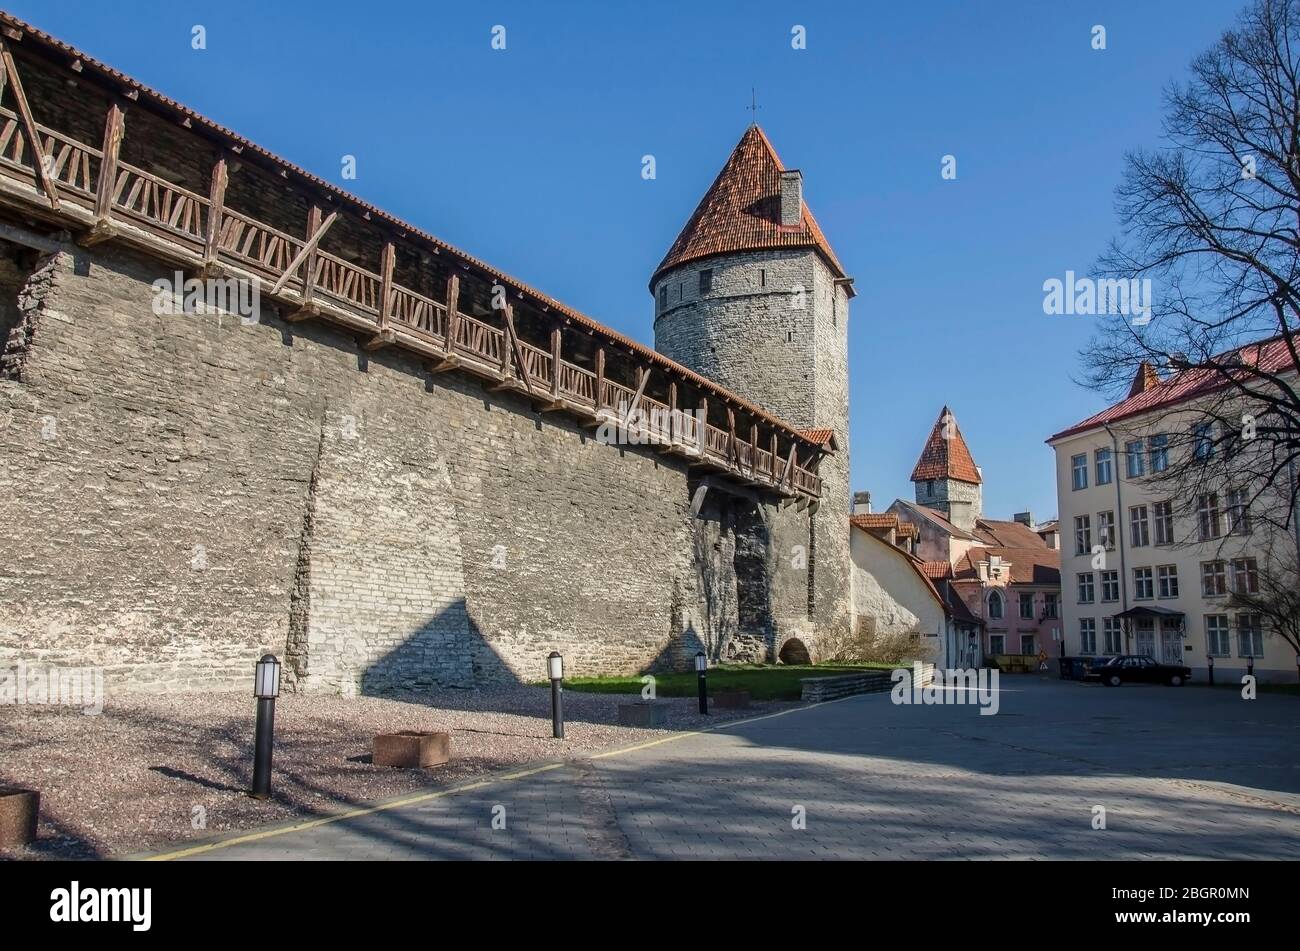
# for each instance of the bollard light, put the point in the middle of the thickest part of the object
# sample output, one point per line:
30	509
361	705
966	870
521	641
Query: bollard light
701	670
266	687
555	667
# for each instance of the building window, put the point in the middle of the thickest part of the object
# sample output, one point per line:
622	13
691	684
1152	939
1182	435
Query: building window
1203	441
1250	635
1112	635
1087	635
1051	608
762	277
1103	467
995	605
1135	459
1106	529
1143	588
1238	512
1110	585
1082	534
1164	519
1079	468
1146	636
1167	581
789	336
1026	606
1245	576
1217	641
1139	526
929	487
1027	644
663	297
706	281
997	644
1085	587
1158	452
1208	517
1214	579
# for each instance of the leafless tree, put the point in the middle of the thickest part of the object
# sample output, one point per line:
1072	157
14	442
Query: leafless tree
1277	596
1212	219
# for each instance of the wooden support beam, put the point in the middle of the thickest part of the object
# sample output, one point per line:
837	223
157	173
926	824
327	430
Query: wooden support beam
114	128
733	451
386	285
308	251
216	208
672	411
385	337
516	347
305	312
789	467
453	312
555	361
644	373
449	362
774	455
43	169
600	377
753	450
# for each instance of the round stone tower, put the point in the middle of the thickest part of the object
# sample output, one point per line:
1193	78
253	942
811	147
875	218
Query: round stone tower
751	296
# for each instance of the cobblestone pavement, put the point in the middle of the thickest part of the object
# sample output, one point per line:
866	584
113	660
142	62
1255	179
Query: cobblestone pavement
1180	772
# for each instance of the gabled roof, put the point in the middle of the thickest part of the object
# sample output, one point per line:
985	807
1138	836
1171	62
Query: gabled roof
741	211
936	518
1269	356
822	437
1038	566
946	455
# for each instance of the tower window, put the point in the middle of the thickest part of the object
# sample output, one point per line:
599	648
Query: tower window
789	336
762	277
706	280
929	487
663	297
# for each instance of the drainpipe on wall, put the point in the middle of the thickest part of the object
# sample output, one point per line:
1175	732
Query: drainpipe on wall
1119	535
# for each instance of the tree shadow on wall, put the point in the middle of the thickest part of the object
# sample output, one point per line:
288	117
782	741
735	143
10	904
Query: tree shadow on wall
731	545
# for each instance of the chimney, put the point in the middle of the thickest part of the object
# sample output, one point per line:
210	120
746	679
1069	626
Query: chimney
1024	518
861	503
791	199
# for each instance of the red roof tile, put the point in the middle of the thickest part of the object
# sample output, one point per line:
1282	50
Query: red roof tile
741	211
1041	565
946	455
875	520
821	437
1270	356
937	569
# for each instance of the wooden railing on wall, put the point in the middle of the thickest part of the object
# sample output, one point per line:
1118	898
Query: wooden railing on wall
140	201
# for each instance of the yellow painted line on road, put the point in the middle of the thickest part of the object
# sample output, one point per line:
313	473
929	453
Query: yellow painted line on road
443	793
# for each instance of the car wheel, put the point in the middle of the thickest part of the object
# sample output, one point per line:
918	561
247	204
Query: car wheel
1113	680
1176	680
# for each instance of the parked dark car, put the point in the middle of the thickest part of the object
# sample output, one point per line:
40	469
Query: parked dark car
1138	669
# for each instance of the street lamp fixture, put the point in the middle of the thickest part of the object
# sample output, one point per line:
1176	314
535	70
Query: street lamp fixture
701	671
266	687
555	669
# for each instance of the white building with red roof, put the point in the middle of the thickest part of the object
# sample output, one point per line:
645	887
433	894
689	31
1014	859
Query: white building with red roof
1147	571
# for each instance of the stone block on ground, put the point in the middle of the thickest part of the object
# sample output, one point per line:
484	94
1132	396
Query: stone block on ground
730	700
643	714
412	749
18	812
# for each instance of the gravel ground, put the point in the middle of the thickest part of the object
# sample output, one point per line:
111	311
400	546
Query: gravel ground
150	772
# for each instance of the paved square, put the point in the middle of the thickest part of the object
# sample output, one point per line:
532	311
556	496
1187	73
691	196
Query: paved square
1181	773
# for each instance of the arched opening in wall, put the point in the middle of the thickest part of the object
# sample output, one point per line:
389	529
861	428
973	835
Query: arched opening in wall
794	651
17	264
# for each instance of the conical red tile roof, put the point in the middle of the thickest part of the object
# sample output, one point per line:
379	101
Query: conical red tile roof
741	211
946	458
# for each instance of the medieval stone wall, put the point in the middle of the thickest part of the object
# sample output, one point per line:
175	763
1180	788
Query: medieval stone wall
180	493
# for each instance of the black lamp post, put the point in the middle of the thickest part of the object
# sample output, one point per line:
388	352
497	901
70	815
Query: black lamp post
1209	660
266	687
701	669
555	668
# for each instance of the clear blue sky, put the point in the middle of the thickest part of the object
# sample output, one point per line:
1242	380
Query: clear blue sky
531	158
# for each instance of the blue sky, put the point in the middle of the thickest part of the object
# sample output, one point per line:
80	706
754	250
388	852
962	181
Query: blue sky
531	157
